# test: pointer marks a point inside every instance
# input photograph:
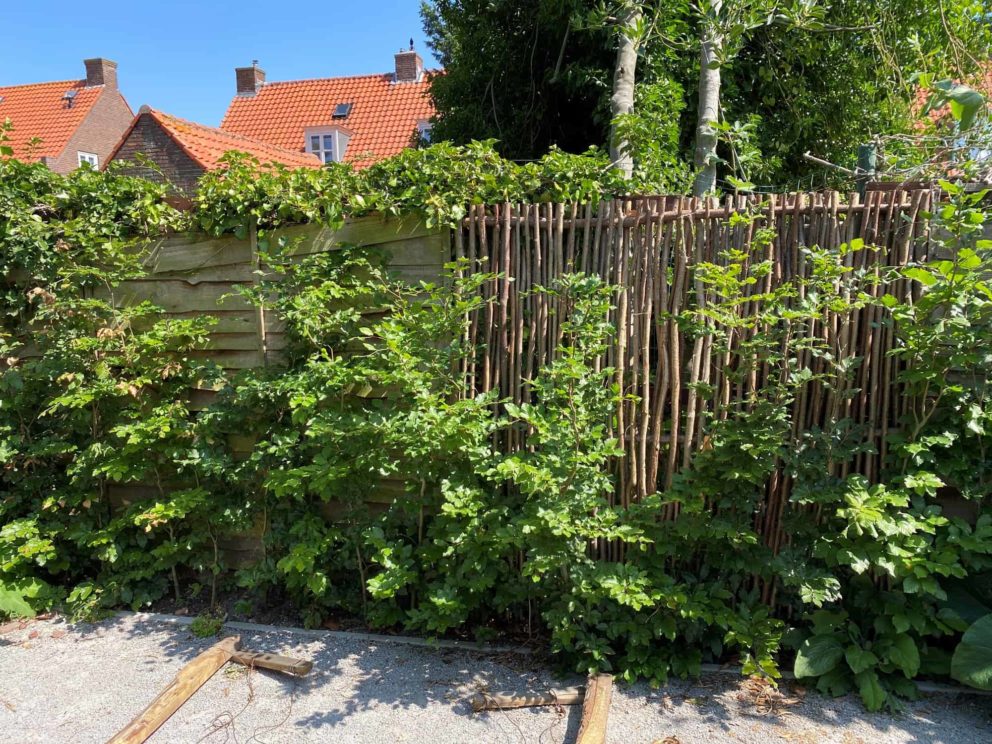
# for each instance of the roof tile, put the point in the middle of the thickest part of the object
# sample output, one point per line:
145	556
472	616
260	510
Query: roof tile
206	144
39	110
383	117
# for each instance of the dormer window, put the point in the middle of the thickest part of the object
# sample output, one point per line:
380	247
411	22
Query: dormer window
322	145
327	143
424	131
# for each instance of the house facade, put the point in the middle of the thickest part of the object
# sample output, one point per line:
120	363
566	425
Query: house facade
357	120
69	122
165	148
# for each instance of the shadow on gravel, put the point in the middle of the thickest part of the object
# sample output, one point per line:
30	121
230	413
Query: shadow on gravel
723	704
351	676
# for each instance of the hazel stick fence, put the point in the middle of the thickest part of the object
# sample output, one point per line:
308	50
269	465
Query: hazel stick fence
671	380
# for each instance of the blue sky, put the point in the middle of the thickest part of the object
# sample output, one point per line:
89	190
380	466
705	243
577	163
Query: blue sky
180	56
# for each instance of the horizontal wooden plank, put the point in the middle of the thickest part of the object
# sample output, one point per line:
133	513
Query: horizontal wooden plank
238	321
198	400
372	230
231	360
428	250
276	341
175	296
196	252
233	341
241	272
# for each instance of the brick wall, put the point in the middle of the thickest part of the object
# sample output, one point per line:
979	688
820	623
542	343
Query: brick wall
149	139
99	132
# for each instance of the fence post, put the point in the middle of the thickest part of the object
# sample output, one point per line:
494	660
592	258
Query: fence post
867	164
260	310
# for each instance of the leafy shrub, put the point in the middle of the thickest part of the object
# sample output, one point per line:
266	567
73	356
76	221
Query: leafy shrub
481	537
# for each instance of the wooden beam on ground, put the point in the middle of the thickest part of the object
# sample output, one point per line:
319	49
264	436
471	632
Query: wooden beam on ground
188	680
284	664
567	696
595	709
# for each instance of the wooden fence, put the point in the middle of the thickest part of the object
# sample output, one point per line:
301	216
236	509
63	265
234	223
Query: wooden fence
671	380
647	247
194	275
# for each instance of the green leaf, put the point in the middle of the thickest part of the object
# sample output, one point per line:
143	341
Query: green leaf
859	660
12	603
923	276
818	655
965	102
972	660
905	655
871	690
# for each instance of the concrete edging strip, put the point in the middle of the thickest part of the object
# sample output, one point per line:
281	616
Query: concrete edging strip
479	648
468	646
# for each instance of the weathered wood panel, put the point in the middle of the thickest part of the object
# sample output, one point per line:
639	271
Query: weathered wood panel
194	275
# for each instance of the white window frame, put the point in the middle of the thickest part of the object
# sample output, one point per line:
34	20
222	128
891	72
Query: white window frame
424	130
339	142
87	157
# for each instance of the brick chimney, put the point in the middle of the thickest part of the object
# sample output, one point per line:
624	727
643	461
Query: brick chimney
409	66
250	79
100	71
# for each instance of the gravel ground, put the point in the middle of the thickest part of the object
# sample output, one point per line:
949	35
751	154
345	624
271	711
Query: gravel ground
82	683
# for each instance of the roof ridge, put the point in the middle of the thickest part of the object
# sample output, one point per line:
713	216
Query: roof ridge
322	79
192	137
47	82
426	72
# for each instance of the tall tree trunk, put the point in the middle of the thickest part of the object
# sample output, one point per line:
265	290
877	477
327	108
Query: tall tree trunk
709	107
622	100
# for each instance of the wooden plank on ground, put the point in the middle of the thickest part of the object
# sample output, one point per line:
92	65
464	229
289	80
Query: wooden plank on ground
187	681
595	709
490	701
275	662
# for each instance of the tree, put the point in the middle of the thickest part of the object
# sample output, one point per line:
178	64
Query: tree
794	75
624	77
516	71
710	52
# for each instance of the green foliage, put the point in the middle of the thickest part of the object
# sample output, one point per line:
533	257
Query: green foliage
437	182
901	552
382	489
206	625
821	76
972	661
13	602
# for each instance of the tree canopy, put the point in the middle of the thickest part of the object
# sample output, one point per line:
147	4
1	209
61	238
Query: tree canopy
804	75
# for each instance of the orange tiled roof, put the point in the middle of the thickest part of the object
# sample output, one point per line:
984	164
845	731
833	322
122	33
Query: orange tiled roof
38	110
981	81
383	117
206	144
